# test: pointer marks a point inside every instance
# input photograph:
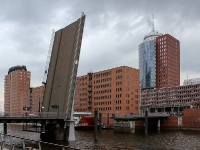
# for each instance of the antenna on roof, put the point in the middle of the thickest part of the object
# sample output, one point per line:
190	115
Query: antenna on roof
153	22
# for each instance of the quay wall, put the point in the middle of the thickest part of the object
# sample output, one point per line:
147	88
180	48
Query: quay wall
189	121
169	123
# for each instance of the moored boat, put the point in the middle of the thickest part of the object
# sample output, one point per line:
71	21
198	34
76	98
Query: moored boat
85	123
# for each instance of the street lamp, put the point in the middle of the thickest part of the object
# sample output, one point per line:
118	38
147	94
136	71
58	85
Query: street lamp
39	107
26	109
55	106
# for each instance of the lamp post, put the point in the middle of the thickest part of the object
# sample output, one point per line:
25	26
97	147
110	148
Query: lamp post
26	109
39	107
55	106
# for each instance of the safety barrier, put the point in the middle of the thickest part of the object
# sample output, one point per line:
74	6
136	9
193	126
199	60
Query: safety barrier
6	139
51	115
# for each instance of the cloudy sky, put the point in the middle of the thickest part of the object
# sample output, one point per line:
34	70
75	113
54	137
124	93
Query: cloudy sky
113	30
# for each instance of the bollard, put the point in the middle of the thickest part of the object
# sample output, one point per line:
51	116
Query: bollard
3	137
108	119
39	146
5	128
23	144
100	119
10	142
95	125
13	147
2	145
146	122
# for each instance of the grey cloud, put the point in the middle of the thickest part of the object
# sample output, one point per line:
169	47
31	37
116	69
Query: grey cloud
113	31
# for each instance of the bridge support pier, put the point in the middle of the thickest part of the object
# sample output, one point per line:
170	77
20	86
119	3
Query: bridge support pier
53	132
180	123
124	127
71	136
158	124
132	126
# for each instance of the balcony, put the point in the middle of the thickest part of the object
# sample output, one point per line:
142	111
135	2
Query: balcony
89	105
89	100
90	84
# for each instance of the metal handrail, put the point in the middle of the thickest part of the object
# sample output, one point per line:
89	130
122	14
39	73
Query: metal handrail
141	115
51	115
7	139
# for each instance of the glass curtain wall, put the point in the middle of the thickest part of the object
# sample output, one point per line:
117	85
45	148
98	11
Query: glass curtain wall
147	64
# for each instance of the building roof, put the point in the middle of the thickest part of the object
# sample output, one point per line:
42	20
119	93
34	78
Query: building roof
152	35
17	68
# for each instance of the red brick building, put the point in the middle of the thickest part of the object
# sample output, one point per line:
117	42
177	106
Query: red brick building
111	91
17	81
167	61
36	98
18	96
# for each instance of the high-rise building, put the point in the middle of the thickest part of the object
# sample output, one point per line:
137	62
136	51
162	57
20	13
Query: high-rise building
159	61
147	60
167	61
17	81
111	91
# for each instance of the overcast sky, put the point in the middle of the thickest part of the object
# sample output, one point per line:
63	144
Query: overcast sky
113	30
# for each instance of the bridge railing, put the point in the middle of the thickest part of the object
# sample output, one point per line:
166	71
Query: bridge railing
140	115
12	141
51	115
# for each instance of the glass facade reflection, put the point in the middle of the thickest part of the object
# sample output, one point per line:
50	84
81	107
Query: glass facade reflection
147	60
147	64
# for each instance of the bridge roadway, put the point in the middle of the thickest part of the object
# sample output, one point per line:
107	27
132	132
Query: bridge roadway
42	117
133	117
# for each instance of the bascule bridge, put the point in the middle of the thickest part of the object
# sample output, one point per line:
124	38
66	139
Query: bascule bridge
60	78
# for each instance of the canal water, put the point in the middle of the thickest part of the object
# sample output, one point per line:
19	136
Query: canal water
108	140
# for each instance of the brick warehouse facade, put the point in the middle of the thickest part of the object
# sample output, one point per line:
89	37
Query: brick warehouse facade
169	99
167	61
111	91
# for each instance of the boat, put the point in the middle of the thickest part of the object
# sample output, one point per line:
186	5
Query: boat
78	115
85	123
106	127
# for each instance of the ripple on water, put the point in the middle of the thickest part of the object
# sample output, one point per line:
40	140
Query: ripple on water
108	140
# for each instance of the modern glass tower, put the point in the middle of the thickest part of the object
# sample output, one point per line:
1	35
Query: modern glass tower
147	60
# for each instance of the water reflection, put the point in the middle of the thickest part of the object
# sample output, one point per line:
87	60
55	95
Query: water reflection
108	140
